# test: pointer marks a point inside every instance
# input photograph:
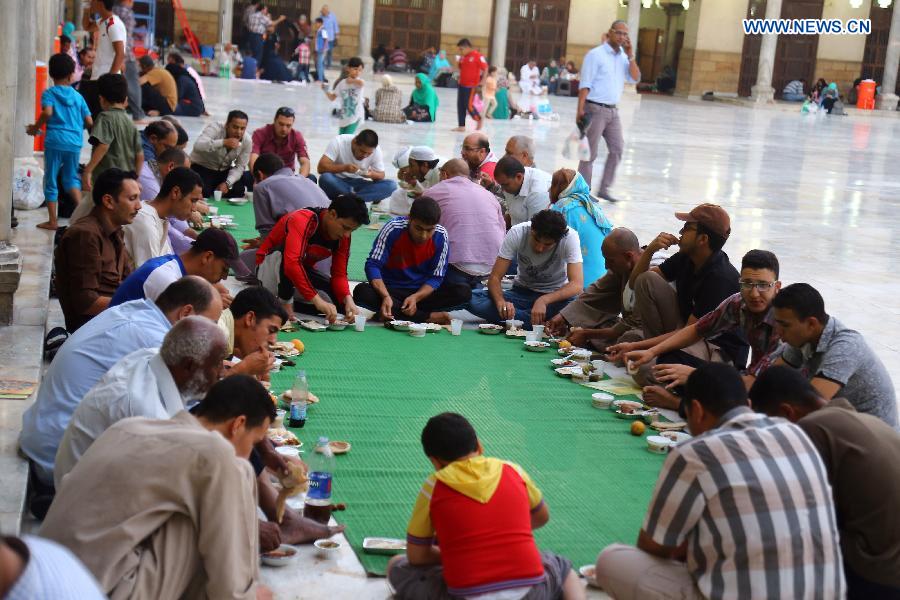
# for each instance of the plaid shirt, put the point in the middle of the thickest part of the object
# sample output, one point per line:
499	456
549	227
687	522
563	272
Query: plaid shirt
732	315
303	54
258	22
751	499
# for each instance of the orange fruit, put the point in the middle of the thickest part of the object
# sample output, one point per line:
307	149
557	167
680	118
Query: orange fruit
638	428
565	344
299	346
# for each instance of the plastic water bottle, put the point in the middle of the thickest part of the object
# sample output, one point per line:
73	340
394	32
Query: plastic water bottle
299	400
321	469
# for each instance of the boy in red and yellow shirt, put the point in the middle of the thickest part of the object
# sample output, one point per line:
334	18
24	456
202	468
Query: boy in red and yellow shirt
483	511
472	69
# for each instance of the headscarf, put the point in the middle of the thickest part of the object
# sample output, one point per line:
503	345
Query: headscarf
440	62
579	193
68	28
426	96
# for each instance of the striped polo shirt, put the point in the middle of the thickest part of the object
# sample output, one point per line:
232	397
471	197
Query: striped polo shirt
752	499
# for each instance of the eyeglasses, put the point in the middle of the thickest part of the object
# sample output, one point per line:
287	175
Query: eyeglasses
761	286
285	111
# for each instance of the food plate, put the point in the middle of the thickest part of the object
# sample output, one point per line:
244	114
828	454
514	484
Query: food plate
563	362
536	346
589	572
676	437
311	398
380	545
337	447
280	557
432	327
631	416
338	325
400	325
283	437
489	328
616	404
314	326
238	201
516	333
568	371
284	349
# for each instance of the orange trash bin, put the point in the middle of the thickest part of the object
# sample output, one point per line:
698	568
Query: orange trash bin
865	95
40	84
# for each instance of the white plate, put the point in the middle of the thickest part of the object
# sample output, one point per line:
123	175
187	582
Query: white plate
380	545
568	371
489	328
401	325
238	201
536	346
280	561
563	362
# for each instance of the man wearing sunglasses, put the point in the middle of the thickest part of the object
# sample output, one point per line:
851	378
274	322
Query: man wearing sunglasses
703	278
749	313
279	137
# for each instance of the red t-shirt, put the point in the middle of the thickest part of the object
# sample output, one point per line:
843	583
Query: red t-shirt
298	236
294	146
470	68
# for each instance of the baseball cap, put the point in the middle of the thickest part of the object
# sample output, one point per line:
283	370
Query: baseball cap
222	245
711	216
423	153
401	159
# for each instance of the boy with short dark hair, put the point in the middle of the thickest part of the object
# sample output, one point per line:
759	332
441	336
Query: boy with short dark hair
473	497
66	114
116	141
351	91
407	265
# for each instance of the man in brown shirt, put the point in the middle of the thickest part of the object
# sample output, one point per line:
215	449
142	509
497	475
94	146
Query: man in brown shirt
600	314
91	260
159	92
861	454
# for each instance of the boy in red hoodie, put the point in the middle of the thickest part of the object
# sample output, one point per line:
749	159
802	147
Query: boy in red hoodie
483	511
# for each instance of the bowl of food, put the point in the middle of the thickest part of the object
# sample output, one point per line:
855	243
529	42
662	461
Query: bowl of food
631	404
327	548
338	325
567	371
337	447
581	353
658	444
489	328
563	362
514	324
628	410
601	399
400	325
589	572
417	330
676	437
281	556
536	346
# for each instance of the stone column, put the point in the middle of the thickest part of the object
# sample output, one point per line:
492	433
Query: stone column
500	33
23	49
673	11
10	260
763	91
226	14
366	32
634	22
45	28
888	98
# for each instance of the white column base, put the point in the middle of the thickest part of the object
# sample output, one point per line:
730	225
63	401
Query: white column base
886	102
762	95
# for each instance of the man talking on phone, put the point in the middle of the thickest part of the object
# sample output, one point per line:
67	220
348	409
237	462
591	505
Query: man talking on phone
604	73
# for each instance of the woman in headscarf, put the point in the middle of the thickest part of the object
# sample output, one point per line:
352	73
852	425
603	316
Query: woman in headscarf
423	102
571	196
387	102
440	69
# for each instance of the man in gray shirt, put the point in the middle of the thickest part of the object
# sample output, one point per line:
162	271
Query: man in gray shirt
834	358
278	191
549	272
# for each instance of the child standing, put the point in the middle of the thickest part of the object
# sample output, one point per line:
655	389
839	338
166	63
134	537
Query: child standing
321	49
351	91
303	61
66	114
489	93
483	511
115	140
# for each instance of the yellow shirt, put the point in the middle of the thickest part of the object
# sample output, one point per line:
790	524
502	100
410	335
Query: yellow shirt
164	83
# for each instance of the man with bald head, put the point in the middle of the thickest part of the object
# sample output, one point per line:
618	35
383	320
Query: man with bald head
476	151
152	382
603	314
473	220
87	355
521	147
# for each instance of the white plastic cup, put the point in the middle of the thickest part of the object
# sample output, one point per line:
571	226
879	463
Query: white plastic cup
456	326
217	194
539	330
359	322
248	196
531	336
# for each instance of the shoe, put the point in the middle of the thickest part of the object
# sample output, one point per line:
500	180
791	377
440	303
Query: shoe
607	196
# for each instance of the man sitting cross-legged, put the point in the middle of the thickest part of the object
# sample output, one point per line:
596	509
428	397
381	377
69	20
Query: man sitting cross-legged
742	510
287	258
354	165
166	508
151	382
836	359
862	459
748	313
549	272
406	268
600	316
478	509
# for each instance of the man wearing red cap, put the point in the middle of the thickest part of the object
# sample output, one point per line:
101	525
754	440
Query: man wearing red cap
703	278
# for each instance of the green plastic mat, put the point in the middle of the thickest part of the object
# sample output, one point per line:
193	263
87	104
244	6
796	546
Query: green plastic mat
379	387
245	222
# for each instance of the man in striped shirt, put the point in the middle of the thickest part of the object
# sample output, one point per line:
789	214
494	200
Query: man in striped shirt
406	268
742	510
